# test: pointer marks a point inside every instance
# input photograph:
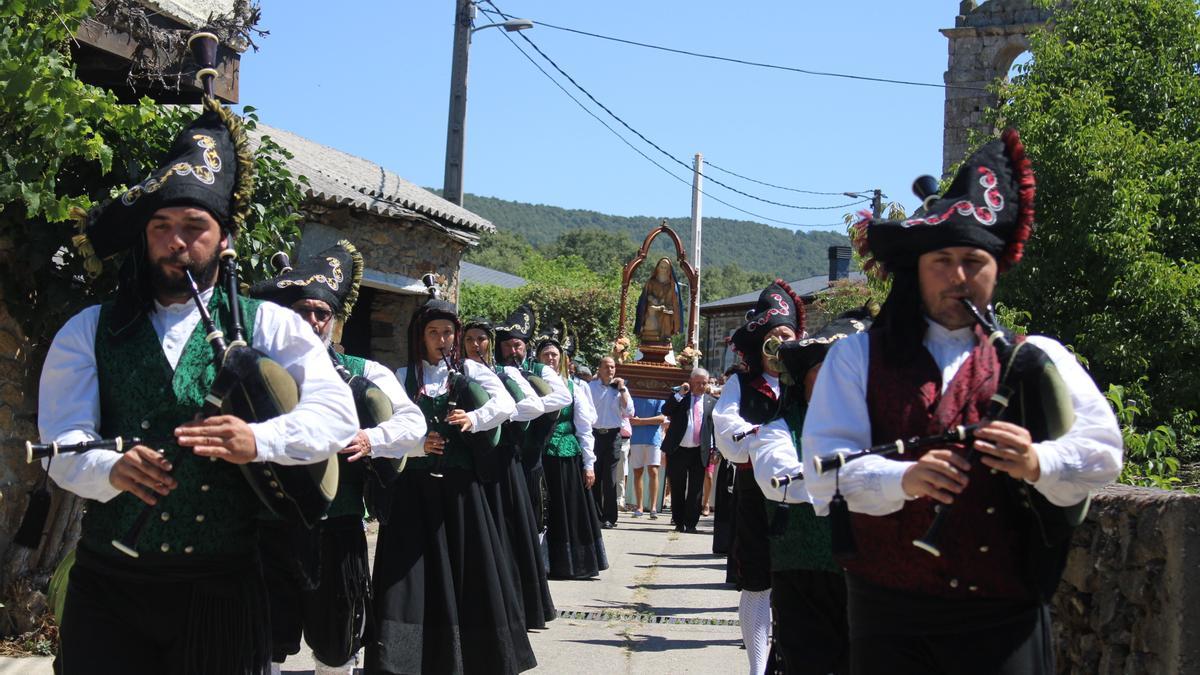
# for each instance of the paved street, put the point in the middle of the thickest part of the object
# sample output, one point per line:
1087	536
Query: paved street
612	625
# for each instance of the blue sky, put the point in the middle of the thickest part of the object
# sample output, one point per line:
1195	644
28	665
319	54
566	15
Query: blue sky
371	77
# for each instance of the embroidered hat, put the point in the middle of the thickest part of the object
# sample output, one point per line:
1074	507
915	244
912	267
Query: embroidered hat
519	325
555	336
332	276
210	165
988	205
778	305
799	356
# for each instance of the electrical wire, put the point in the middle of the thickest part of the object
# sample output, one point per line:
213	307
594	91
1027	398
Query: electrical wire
757	64
651	143
648	158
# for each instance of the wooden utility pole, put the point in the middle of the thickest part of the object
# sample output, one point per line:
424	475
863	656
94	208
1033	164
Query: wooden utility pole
456	126
697	194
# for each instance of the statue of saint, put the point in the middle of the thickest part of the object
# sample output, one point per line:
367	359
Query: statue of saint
659	308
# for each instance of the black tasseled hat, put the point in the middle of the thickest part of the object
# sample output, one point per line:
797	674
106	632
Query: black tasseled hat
332	276
988	205
778	305
801	355
209	166
519	325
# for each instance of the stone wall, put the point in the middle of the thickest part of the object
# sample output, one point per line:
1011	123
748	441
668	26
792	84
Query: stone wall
1129	601
409	248
983	44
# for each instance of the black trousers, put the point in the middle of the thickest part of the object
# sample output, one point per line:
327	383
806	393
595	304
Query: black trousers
605	490
811	634
685	470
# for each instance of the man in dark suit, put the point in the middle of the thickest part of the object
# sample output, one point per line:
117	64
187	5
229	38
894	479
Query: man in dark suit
688	441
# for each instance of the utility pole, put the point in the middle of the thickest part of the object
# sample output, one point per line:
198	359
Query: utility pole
877	203
697	184
452	185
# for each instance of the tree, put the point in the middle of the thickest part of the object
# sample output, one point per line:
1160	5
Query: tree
1107	111
602	250
65	145
502	250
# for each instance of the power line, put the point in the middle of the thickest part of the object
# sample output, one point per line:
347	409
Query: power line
758	64
652	143
648	158
779	187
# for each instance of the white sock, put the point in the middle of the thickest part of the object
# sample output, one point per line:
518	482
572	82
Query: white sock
754	611
344	669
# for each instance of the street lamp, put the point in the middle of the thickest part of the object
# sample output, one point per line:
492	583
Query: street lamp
452	185
876	197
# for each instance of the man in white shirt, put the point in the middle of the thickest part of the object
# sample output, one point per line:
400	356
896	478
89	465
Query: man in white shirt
980	605
139	366
613	404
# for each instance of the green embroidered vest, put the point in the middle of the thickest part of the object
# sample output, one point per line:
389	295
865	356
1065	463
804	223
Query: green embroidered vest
806	543
563	442
349	498
212	510
456	454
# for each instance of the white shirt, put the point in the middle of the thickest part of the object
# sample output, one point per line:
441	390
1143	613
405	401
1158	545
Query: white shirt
488	416
1086	458
609	407
405	430
532	406
323	422
585	417
772	453
727	419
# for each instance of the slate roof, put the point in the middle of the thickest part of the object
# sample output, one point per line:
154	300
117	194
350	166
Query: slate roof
805	288
478	274
341	179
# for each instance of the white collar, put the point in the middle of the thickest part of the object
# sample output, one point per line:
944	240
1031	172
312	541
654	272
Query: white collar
178	308
939	333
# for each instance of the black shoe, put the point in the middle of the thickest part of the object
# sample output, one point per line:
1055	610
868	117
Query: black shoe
612	524
605	526
679	528
692	529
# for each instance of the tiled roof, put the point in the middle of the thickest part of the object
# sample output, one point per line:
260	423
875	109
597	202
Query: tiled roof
478	274
805	288
341	179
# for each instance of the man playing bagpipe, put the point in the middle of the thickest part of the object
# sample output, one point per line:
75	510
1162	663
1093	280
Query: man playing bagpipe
318	580
1020	437
808	592
754	397
167	576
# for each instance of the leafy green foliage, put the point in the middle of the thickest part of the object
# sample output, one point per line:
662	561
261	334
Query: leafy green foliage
1106	109
1150	456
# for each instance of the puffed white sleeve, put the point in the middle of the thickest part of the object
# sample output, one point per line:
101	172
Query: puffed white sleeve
325	420
585	417
405	431
1089	455
838	421
727	421
559	396
501	406
772	453
69	409
530	407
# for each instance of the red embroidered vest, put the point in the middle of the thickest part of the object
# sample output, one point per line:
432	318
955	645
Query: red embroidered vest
980	542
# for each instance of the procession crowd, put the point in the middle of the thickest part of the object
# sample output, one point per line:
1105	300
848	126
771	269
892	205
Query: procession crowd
492	466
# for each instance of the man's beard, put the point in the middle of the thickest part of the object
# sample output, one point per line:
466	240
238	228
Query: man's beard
203	272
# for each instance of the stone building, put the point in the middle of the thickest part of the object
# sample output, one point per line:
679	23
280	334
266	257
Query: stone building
722	317
403	232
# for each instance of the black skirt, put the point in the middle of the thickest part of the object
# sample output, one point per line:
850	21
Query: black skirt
574	544
445	597
750	556
723	508
513	512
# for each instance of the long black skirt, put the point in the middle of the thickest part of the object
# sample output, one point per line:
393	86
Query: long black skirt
723	508
574	544
750	555
513	512
445	597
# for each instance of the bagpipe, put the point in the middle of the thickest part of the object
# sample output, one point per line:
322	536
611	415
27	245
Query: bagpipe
467	395
1031	393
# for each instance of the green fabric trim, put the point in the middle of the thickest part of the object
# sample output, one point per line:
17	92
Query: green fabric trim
212	510
806	543
563	442
456	454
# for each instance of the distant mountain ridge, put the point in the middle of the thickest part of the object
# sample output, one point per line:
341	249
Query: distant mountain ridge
755	247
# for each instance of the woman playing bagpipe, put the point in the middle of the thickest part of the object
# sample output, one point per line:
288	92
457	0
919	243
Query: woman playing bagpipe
508	495
192	599
925	368
319	581
808	592
512	349
752	398
574	543
446	599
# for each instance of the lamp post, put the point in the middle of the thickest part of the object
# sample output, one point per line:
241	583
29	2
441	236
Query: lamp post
452	185
876	197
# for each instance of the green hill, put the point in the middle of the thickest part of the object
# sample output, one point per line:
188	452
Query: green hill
753	247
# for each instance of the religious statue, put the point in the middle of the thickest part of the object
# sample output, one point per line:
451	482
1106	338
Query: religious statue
659	308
